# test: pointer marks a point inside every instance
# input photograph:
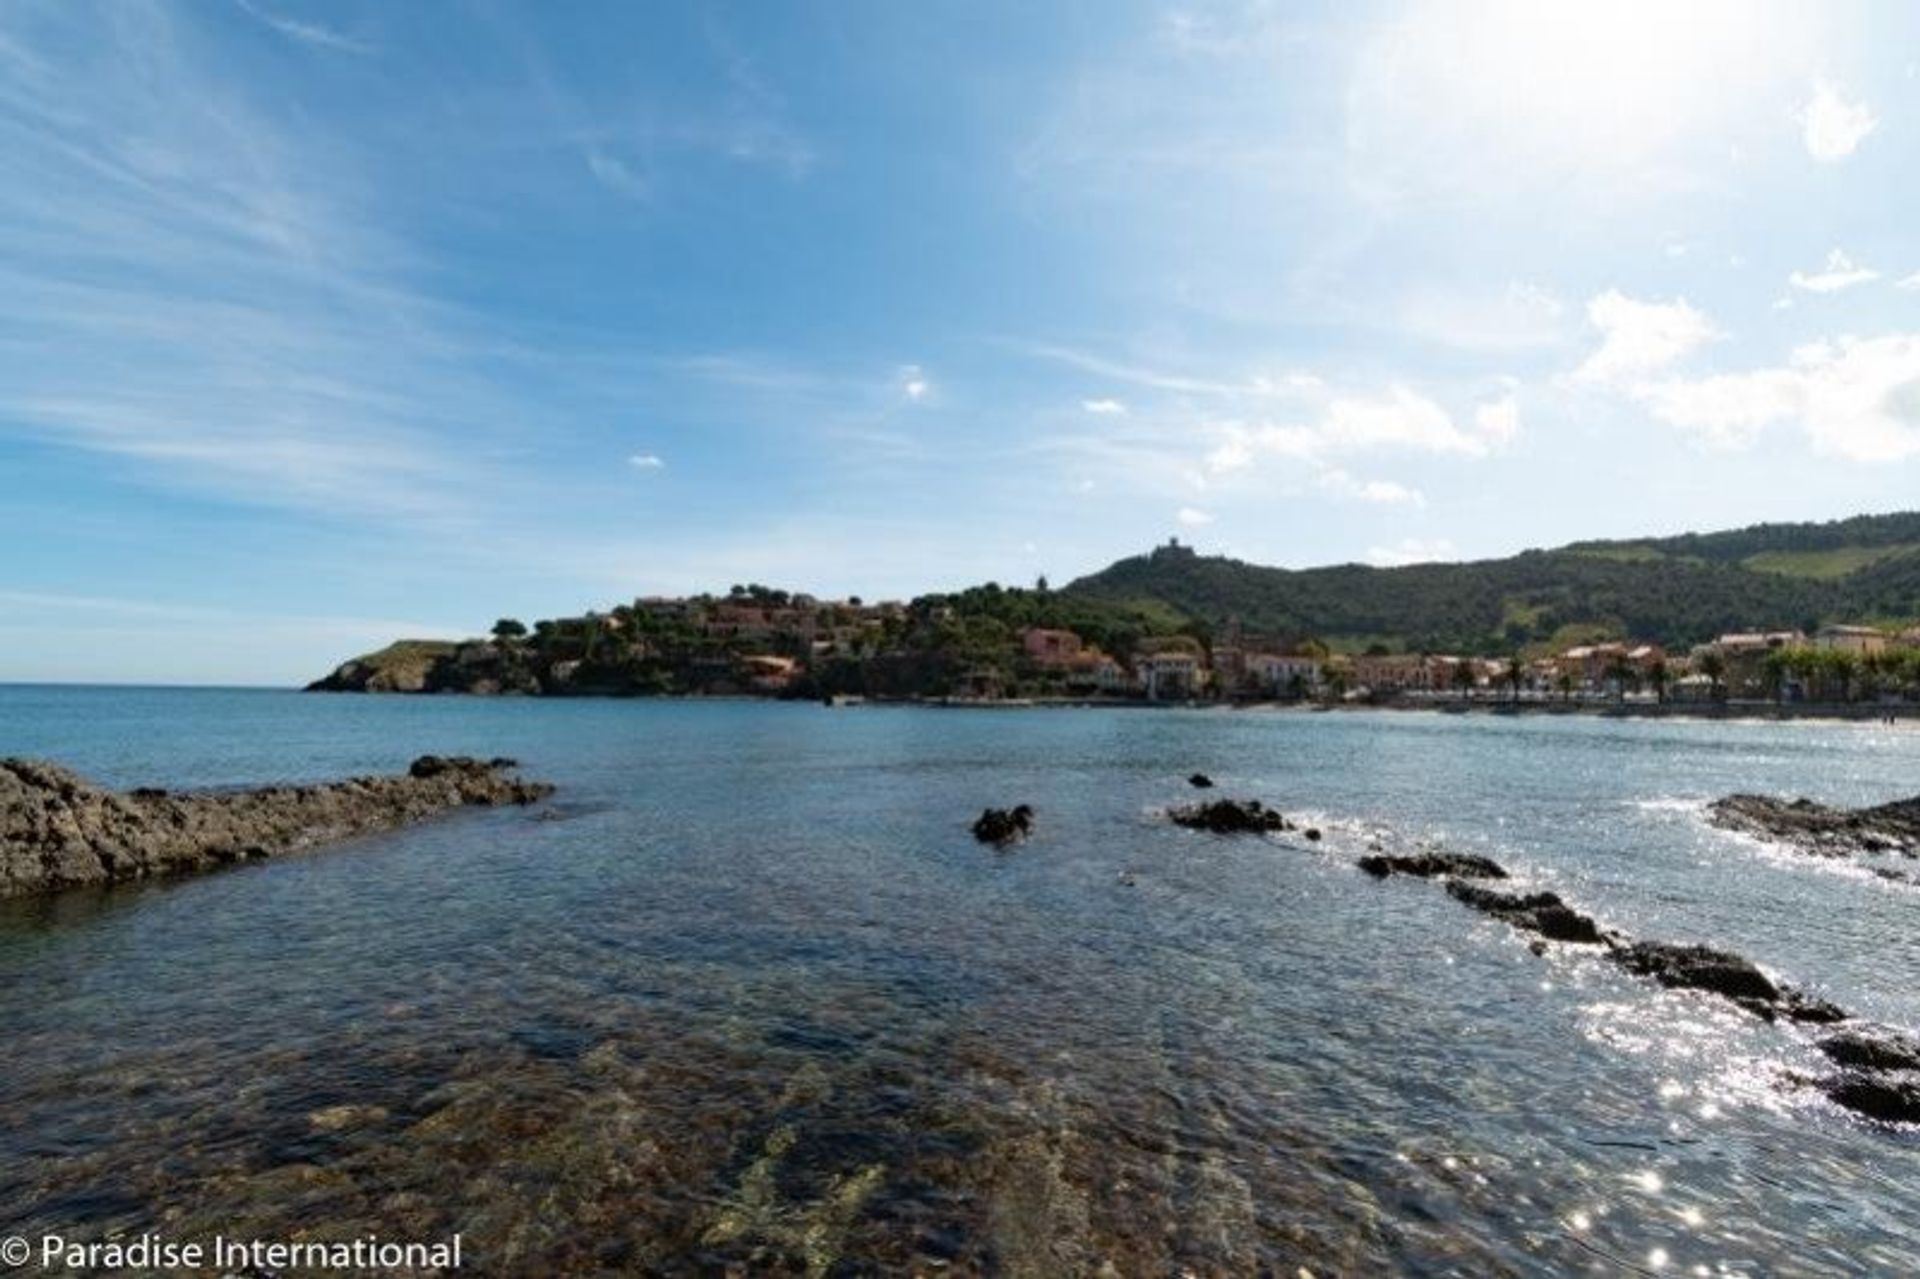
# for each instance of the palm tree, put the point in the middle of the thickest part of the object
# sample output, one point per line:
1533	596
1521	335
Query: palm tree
1515	673
1659	677
1463	676
1714	667
1844	667
1564	682
1621	674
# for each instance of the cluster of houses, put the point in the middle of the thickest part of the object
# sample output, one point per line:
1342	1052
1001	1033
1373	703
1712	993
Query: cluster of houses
775	637
1734	665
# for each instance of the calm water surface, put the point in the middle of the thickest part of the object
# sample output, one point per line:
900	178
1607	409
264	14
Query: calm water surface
747	996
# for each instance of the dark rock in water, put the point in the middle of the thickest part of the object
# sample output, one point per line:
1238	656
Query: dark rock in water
1796	1005
1313	834
1869	1051
1700	968
1200	780
1820	830
1430	865
58	830
1542	913
1891	1100
1003	825
1230	817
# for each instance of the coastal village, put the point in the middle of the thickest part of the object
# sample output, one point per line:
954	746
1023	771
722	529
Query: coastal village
969	649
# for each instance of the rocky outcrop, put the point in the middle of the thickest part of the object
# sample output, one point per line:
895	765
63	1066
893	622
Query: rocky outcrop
1431	865
58	830
439	666
1890	1099
1542	913
1882	1075
1867	1050
1820	830
1726	974
1230	817
1200	781
1003	826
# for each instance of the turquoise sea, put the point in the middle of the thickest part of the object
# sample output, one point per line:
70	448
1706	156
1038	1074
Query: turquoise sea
746	997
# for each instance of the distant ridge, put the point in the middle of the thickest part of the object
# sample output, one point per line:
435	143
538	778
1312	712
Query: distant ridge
1676	590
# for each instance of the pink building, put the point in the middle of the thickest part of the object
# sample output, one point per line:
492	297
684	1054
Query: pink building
1050	648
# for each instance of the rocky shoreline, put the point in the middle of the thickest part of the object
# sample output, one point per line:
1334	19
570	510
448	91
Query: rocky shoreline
1822	831
1879	1075
59	830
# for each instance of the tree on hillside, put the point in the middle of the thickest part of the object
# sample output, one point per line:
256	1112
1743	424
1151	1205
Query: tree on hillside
509	629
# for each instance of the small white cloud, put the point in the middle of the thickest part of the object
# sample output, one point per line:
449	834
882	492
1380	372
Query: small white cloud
1193	517
1677	249
1910	283
1084	486
617	175
1385	492
1831	126
1840	272
913	383
1412	550
647	462
1235	455
1638	338
1103	406
1498	421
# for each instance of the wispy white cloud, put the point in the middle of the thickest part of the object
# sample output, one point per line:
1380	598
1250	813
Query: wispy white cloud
1193	517
1291	383
913	383
1107	406
1840	272
202	299
1831	126
647	462
1638	338
308	33
1520	317
1856	399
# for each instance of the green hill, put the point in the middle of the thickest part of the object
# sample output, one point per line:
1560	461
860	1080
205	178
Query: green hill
1676	590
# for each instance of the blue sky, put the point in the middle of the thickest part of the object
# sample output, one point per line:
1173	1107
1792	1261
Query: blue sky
330	322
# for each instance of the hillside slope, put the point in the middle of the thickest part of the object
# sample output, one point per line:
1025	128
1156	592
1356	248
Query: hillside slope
1678	590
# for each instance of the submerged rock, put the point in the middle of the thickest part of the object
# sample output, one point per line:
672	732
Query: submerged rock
1542	913
1230	817
1003	825
1820	830
1200	781
1871	1051
1430	865
59	830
